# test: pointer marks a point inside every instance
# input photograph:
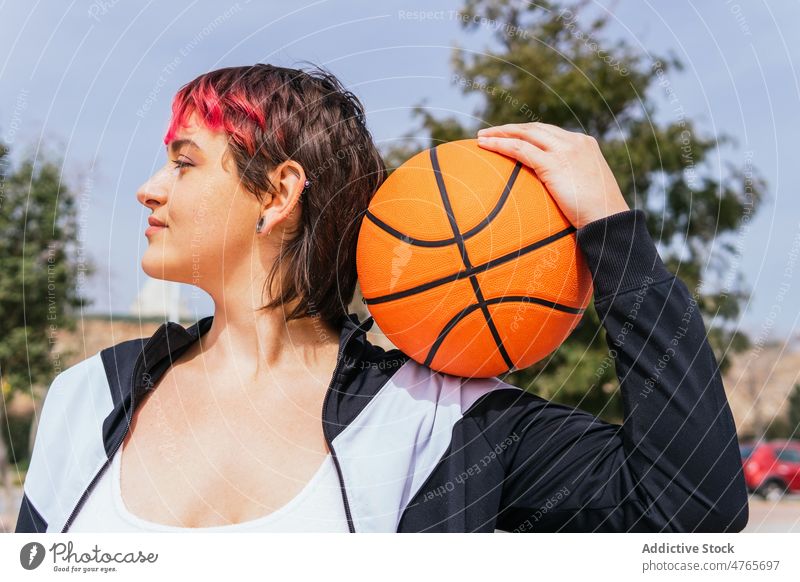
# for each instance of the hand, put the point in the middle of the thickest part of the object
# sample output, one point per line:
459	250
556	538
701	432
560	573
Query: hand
569	164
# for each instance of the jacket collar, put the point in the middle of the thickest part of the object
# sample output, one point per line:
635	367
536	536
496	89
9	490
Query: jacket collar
354	329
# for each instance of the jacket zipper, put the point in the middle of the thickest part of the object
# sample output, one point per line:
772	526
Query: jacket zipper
327	436
88	490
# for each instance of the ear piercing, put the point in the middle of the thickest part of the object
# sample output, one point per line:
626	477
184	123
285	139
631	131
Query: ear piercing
260	223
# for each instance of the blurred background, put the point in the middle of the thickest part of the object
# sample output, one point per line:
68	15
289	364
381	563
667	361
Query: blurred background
692	103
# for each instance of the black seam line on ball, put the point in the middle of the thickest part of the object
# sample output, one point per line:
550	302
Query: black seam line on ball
437	171
508	298
448	241
468	272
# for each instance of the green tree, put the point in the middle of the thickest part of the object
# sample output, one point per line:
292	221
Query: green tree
794	413
550	62
39	279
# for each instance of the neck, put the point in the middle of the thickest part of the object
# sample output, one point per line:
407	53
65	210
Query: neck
254	343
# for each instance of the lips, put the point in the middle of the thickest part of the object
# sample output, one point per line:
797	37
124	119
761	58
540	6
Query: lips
155	226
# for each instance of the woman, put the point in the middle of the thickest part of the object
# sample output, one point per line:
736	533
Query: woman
276	413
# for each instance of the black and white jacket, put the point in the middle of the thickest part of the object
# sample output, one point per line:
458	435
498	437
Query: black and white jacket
422	451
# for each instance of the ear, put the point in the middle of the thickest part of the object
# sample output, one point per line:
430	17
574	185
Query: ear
288	180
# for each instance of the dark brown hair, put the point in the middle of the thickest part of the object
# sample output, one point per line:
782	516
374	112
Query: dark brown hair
272	114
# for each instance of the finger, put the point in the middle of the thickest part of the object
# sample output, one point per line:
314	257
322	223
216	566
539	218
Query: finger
554	129
518	149
540	125
534	133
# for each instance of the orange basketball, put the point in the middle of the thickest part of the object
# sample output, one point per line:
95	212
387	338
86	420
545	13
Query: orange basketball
468	265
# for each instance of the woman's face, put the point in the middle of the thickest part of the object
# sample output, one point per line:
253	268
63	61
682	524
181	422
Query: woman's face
209	217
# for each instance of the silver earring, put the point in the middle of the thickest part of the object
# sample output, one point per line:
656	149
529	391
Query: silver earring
260	224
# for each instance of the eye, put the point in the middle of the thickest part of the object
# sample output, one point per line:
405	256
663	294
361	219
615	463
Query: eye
179	164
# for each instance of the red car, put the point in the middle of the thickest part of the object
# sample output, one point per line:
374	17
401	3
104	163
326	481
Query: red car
771	468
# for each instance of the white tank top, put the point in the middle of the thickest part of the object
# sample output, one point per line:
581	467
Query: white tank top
317	508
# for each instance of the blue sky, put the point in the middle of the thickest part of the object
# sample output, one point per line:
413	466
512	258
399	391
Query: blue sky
93	82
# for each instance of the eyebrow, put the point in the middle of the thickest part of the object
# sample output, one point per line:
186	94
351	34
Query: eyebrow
179	143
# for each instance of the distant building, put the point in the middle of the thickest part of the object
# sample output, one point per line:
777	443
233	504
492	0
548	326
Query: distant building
161	299
759	382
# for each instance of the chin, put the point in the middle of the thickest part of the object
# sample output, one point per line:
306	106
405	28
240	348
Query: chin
160	267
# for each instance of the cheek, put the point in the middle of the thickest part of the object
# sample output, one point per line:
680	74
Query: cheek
195	209
219	225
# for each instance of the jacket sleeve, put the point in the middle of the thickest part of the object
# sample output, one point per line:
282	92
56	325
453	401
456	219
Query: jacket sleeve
39	488
674	463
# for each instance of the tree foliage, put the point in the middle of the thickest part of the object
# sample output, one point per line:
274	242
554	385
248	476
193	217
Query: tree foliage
550	62
794	413
39	275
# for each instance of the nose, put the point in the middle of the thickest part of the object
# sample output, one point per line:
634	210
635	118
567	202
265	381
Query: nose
153	193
